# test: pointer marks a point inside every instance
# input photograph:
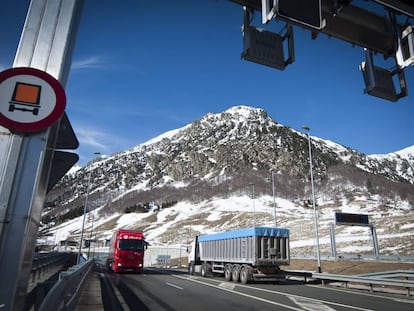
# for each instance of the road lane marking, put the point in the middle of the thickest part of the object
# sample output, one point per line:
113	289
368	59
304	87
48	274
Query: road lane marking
227	285
309	298
308	305
173	285
283	294
238	293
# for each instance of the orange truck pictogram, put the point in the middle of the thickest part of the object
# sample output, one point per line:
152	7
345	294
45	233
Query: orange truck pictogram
26	97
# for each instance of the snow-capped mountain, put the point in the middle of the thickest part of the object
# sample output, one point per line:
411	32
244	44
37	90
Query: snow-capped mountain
216	174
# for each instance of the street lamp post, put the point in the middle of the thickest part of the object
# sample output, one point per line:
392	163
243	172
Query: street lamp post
254	208
274	198
315	215
84	213
90	233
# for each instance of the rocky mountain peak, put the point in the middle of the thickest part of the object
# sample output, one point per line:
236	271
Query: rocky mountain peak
221	155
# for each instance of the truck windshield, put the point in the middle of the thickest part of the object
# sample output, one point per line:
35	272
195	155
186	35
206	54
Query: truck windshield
133	245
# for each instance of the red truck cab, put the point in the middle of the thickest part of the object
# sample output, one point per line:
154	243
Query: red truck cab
126	251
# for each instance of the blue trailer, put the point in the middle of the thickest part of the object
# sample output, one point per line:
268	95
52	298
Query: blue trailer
246	255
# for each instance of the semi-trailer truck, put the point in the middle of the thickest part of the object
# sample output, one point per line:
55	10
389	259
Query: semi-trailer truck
245	255
126	251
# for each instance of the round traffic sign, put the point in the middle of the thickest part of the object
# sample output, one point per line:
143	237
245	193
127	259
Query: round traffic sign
30	99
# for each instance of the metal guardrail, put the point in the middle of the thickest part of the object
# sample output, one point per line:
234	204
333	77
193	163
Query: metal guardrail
65	294
382	279
356	257
404	274
43	261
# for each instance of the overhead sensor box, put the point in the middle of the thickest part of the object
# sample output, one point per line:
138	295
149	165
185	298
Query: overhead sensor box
405	51
379	82
263	47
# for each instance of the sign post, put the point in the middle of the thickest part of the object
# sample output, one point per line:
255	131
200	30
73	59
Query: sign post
35	121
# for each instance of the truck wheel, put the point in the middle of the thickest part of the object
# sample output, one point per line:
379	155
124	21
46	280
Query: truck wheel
235	273
244	275
191	268
227	272
204	270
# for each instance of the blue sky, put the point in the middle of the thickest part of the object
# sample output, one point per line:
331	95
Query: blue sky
142	68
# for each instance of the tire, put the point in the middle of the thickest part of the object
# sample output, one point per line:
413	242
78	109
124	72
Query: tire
244	275
191	268
204	270
227	272
235	273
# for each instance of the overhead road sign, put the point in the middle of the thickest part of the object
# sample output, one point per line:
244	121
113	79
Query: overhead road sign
265	47
30	99
379	81
302	12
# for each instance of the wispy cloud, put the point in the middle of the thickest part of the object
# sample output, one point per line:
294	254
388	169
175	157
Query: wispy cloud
94	139
89	62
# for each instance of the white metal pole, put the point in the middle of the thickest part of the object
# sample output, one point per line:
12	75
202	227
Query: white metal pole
315	214
90	233
46	43
254	208
84	216
274	198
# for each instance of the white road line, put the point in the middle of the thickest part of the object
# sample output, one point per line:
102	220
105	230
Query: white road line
173	285
227	285
238	293
308	305
284	294
311	299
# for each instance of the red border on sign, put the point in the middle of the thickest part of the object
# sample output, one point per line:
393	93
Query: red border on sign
52	117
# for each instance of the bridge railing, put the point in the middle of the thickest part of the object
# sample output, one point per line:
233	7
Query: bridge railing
42	262
65	294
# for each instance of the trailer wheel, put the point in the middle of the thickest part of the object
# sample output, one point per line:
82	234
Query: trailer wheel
235	273
204	270
244	275
227	272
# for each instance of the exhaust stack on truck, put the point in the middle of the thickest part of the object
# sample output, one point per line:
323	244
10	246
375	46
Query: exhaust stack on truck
246	255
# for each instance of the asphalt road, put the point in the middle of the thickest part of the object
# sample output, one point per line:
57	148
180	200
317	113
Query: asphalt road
162	289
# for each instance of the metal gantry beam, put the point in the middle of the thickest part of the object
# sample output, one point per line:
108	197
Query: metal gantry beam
352	24
405	7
